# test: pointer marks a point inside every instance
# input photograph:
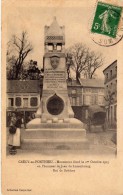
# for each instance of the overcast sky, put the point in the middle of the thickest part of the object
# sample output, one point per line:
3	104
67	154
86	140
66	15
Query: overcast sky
76	22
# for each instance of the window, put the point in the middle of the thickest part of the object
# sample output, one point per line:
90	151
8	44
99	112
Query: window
73	101
94	90
100	99
10	102
59	47
110	73
94	99
106	75
18	101
87	99
111	86
50	47
25	102
77	101
73	91
34	101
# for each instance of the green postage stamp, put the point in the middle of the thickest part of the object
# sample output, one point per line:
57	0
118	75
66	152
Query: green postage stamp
106	19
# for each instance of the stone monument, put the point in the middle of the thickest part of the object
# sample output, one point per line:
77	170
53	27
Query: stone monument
55	125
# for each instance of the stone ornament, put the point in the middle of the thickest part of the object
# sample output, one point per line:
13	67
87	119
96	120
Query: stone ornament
54	61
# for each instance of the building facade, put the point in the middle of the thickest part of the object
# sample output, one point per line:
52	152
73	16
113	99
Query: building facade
92	94
110	82
84	94
24	96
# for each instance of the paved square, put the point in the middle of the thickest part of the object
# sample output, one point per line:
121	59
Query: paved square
99	141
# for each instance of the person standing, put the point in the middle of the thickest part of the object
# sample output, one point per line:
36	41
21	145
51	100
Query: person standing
14	133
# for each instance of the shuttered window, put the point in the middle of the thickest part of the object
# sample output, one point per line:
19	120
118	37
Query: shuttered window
10	102
18	101
34	101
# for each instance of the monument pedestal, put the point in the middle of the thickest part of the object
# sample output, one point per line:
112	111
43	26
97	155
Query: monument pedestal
60	135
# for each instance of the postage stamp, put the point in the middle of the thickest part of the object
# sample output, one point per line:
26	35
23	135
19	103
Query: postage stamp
106	27
106	19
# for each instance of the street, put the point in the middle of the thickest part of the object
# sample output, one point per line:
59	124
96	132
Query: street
99	144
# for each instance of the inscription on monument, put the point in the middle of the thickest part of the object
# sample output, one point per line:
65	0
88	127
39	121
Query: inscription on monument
55	79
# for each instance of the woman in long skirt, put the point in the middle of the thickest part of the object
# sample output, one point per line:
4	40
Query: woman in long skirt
14	139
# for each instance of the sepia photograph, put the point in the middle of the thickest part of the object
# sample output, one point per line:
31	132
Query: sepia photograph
60	106
61	89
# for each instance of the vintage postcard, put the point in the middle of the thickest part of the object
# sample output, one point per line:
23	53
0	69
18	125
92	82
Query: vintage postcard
62	74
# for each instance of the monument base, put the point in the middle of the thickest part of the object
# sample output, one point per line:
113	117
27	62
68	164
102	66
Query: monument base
68	134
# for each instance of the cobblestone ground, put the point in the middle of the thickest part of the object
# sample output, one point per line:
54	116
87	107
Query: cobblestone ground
101	138
99	141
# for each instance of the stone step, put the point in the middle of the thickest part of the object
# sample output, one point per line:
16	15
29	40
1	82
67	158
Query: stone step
60	144
54	134
70	123
54	125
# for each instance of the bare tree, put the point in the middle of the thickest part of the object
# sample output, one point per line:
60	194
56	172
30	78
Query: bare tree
84	61
19	48
94	61
79	55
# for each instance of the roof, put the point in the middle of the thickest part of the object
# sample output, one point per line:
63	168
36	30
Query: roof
72	82
17	86
92	82
54	29
110	65
34	86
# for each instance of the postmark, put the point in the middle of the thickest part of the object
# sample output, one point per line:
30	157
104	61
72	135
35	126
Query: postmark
107	26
